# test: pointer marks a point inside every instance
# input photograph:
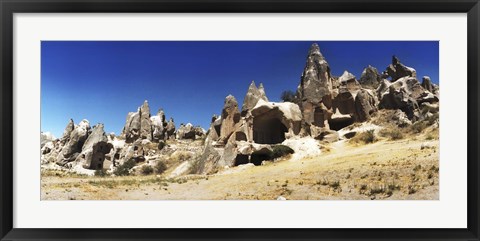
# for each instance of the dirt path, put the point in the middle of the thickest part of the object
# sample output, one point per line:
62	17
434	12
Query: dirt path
382	170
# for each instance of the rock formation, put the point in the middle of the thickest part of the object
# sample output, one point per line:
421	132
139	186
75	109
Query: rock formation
405	92
145	123
370	78
316	80
397	70
332	102
315	89
324	104
68	129
131	131
94	149
230	118
75	143
253	95
188	131
170	129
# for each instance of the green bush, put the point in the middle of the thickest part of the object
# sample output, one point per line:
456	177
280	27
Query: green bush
161	145
281	150
160	167
146	170
288	96
101	173
124	169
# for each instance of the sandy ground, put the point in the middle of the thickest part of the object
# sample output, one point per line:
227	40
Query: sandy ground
385	169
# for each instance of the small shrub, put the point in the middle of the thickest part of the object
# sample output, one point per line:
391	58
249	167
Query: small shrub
418	127
161	145
181	156
101	173
364	137
334	184
288	96
124	169
160	167
281	150
146	170
392	134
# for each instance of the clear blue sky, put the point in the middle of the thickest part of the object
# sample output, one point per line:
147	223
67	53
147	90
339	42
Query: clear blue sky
104	80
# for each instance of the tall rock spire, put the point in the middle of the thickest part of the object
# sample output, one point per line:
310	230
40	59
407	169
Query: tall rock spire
253	95
316	80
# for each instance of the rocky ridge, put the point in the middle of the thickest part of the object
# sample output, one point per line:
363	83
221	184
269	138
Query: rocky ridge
255	132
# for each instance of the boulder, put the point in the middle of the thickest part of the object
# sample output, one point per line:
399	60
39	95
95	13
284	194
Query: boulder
324	134
365	105
199	132
186	132
370	78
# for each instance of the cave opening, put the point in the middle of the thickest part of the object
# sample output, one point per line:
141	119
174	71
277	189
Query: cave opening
258	158
339	123
240	136
268	130
319	117
241	159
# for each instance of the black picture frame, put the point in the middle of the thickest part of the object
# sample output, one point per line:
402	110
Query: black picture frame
9	7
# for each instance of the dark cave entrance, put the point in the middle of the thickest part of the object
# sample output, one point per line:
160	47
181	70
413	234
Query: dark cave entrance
339	123
241	159
268	130
319	117
240	136
257	158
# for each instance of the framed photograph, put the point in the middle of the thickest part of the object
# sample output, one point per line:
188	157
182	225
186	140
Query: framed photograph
260	120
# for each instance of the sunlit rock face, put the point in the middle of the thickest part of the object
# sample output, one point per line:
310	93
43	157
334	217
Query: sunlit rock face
252	97
397	70
316	79
74	143
94	150
370	78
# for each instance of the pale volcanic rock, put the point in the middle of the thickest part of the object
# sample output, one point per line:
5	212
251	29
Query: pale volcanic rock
230	118
252	97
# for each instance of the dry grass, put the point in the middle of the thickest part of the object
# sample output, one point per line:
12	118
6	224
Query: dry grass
364	137
392	133
381	170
